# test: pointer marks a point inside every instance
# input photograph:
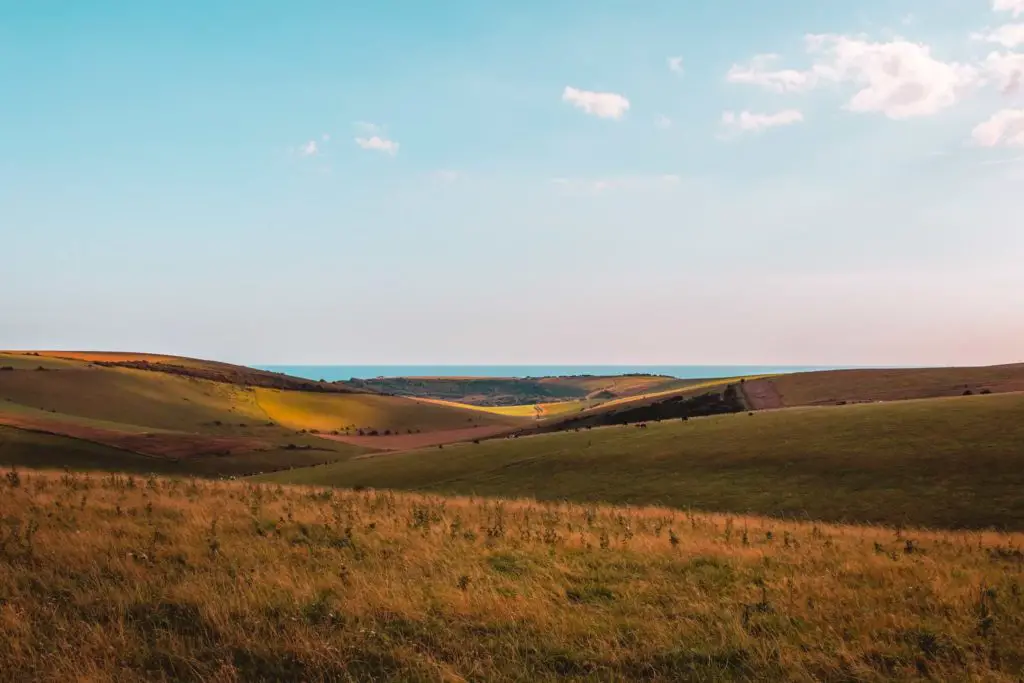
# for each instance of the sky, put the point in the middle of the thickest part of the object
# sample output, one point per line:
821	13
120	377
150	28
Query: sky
545	181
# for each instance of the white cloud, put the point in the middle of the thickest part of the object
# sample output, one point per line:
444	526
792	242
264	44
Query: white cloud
760	72
747	122
1005	69
1010	35
1014	6
1005	128
605	105
326	137
899	78
663	122
309	149
675	65
378	144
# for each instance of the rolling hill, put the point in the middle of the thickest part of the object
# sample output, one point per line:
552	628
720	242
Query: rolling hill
852	386
517	391
951	462
210	418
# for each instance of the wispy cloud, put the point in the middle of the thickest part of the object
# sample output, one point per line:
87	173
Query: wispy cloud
1015	7
1004	129
1010	35
615	183
367	127
605	105
748	122
309	149
761	71
378	144
663	122
675	65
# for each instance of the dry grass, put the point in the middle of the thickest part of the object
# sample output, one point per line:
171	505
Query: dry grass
329	412
109	577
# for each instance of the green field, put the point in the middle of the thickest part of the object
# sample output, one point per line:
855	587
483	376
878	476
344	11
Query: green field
955	462
830	387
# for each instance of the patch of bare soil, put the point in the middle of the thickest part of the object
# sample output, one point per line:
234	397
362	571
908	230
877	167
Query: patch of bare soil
408	442
166	445
761	394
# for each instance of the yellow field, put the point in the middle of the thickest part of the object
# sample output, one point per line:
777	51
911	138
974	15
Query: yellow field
521	411
329	412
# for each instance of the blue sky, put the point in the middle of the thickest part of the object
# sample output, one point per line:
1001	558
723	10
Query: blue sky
798	182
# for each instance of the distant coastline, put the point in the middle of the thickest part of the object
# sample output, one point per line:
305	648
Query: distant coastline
334	373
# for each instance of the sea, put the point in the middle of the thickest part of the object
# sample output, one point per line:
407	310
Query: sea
334	373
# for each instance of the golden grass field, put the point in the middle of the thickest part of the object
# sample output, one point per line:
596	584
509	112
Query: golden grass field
112	577
531	410
328	412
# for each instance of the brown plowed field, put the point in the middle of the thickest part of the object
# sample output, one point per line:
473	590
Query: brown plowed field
408	442
761	394
168	445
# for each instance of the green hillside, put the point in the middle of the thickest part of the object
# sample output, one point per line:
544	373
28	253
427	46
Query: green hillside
955	462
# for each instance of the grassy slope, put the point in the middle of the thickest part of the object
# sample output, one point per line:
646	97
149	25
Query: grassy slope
31	449
890	385
136	401
135	397
107	578
327	412
76	392
942	462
